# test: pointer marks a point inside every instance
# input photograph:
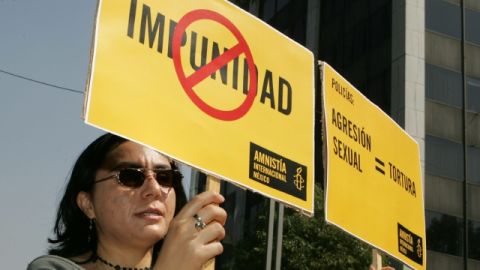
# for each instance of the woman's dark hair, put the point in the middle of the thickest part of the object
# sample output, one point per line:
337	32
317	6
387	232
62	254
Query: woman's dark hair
72	234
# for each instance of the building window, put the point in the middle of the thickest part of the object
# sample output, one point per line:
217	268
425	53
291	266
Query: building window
271	7
472	22
443	85
436	13
444	233
473	94
474	239
358	45
444	158
287	16
473	165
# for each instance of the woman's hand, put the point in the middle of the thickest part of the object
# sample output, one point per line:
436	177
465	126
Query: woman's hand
189	247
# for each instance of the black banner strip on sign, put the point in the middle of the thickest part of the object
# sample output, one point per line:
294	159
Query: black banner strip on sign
278	172
410	244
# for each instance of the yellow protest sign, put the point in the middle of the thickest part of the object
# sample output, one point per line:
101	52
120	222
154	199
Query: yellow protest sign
210	85
373	178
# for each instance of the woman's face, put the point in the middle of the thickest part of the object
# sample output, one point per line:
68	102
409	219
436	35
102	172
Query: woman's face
135	216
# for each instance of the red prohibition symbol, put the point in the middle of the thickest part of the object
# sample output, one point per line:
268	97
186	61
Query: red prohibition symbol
205	71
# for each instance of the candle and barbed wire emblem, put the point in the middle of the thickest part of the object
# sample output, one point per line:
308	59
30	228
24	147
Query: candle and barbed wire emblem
298	179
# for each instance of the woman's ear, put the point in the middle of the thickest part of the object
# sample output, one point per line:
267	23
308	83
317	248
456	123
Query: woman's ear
84	201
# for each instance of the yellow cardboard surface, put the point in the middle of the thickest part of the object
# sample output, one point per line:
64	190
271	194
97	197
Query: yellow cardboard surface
374	186
157	65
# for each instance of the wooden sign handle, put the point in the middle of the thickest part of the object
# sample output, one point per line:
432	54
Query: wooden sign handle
376	259
213	184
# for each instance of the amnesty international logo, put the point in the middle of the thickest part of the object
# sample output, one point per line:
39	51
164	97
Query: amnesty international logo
419	248
410	244
298	179
277	171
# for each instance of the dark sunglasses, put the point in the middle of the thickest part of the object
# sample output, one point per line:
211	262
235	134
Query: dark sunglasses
134	177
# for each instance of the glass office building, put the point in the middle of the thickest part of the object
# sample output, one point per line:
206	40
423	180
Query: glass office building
452	133
418	60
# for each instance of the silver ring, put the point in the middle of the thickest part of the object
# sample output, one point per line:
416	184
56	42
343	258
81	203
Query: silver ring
199	223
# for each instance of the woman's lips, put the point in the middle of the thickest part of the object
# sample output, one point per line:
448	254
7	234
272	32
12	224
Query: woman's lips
150	214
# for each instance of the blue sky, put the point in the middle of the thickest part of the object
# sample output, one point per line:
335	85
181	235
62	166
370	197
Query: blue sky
41	128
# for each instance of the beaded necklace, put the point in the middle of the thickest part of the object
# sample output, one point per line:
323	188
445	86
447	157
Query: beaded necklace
118	267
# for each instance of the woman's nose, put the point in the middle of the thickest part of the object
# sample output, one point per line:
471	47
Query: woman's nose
152	187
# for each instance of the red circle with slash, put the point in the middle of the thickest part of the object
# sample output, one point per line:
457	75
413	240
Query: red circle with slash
205	71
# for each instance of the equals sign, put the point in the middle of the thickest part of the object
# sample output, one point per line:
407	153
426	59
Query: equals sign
380	165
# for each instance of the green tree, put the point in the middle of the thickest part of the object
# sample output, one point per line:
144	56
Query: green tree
308	243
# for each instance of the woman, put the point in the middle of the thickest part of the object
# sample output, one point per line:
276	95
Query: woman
125	208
